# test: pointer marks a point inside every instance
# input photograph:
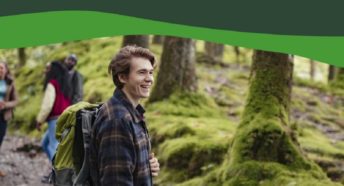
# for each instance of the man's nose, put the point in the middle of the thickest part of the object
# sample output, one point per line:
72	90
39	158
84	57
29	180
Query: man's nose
149	78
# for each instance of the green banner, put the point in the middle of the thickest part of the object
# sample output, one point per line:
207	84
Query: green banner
53	27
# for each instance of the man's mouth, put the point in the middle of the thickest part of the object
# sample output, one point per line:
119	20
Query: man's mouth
147	87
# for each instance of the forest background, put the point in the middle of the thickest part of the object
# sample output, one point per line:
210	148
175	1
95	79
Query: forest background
212	112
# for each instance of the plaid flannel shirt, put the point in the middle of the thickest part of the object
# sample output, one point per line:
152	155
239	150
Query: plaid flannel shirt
120	145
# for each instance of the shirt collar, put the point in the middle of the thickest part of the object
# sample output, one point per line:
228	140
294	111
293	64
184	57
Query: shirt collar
137	112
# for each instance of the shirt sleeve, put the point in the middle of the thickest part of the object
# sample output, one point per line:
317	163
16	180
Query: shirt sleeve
47	103
116	155
13	98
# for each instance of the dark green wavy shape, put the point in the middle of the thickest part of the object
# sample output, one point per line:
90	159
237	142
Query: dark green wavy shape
316	18
53	27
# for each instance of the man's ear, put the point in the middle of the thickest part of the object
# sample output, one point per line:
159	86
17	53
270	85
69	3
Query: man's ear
123	78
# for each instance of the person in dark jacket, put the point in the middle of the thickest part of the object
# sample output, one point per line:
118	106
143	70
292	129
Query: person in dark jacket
75	78
120	148
8	100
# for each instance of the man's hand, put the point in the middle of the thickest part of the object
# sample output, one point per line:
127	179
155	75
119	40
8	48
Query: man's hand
38	126
154	164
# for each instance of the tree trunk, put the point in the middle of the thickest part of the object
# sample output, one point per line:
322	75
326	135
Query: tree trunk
157	39
138	40
264	146
339	79
312	69
214	50
340	74
21	56
331	73
177	69
237	54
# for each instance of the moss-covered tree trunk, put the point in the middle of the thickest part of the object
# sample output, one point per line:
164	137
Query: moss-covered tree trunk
177	69
339	79
138	40
237	54
264	150
21	57
340	75
214	50
331	73
157	39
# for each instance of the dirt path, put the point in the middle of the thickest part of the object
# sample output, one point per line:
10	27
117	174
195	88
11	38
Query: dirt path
22	163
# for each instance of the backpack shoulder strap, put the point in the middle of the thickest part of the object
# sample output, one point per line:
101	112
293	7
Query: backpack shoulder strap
86	118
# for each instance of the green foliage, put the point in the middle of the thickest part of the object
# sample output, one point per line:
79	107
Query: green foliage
189	144
314	141
186	104
310	84
99	93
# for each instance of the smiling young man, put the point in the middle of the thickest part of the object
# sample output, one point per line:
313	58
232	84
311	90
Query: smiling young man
120	149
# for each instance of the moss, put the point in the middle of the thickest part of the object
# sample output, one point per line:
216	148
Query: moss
264	151
266	173
228	97
314	141
191	154
165	127
186	104
98	90
170	131
311	84
188	144
192	182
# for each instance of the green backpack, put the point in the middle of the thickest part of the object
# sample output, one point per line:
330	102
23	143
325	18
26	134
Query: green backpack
73	131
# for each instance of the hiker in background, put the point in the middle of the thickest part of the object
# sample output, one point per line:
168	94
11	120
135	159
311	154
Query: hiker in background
57	97
120	148
75	78
8	100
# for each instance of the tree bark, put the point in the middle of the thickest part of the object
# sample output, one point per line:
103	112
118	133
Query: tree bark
339	79
340	74
331	73
311	69
214	50
177	69
138	40
157	39
21	56
237	54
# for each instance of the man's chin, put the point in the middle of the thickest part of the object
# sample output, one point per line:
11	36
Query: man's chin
145	95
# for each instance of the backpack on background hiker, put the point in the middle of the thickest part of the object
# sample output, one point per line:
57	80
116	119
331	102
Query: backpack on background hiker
73	131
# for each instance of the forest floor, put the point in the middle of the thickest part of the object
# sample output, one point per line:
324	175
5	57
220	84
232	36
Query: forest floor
22	161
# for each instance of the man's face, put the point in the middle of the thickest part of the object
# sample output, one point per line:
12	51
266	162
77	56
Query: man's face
70	63
139	81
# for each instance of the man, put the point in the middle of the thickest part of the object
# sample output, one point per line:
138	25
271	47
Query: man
75	78
120	149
